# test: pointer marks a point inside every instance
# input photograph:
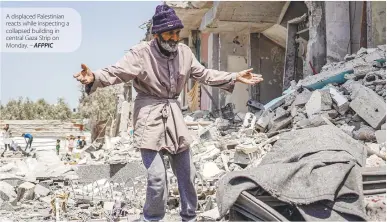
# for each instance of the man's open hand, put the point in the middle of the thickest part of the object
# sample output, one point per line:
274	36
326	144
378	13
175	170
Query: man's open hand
249	78
85	76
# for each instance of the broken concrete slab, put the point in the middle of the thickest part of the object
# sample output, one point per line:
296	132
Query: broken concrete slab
263	121
7	192
375	161
347	129
115	172
369	106
281	124
320	100
41	191
365	133
380	136
340	101
241	159
302	98
210	169
26	191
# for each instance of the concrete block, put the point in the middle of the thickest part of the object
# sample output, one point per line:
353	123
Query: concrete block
383	127
26	191
365	133
347	129
263	121
320	100
249	121
7	192
210	169
303	97
241	158
369	106
116	172
340	100
41	191
380	136
281	124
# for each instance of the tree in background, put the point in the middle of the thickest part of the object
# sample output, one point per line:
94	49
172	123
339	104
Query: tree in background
25	109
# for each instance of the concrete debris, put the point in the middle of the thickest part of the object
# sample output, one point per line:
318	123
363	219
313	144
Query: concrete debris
347	129
375	161
210	170
7	192
25	191
370	106
320	100
41	191
375	207
380	136
365	133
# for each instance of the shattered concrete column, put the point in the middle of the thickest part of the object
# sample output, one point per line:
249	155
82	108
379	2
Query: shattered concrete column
213	63
338	30
316	52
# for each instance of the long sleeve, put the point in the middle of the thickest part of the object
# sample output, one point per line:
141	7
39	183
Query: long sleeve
211	77
126	69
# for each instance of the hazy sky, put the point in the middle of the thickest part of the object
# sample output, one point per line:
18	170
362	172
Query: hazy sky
108	29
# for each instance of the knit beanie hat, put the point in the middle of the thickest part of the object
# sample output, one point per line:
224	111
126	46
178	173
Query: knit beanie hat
165	19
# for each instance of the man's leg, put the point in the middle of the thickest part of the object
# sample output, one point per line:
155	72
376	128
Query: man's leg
5	149
157	190
27	142
30	142
185	171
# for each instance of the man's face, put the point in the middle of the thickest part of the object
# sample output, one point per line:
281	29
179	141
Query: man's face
169	40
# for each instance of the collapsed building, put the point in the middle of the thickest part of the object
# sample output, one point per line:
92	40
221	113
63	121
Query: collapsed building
324	92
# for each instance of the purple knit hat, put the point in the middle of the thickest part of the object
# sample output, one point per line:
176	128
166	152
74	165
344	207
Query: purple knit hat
165	19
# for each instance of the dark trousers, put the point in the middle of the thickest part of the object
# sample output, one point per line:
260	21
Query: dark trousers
9	147
29	143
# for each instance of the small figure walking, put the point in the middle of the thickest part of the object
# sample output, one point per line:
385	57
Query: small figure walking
29	141
83	143
71	144
6	138
79	142
57	146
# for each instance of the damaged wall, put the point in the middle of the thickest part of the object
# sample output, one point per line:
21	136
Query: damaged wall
267	59
316	53
213	63
338	32
235	44
378	23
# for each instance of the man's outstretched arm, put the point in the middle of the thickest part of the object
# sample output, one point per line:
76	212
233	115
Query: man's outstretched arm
223	80
126	69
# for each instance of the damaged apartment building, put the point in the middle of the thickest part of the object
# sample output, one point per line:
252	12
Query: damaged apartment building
283	41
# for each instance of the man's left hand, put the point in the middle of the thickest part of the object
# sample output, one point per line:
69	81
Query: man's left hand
249	78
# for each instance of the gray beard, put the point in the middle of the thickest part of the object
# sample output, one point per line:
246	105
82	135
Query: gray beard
167	47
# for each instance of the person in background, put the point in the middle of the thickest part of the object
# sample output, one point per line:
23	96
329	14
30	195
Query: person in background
57	146
83	142
71	144
28	138
6	138
79	142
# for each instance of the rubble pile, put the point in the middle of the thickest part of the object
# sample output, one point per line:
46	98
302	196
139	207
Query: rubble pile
350	95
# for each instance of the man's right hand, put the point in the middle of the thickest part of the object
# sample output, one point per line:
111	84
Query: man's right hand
85	76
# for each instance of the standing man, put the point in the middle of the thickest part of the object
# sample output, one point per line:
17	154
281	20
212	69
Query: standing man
6	138
159	70
28	138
